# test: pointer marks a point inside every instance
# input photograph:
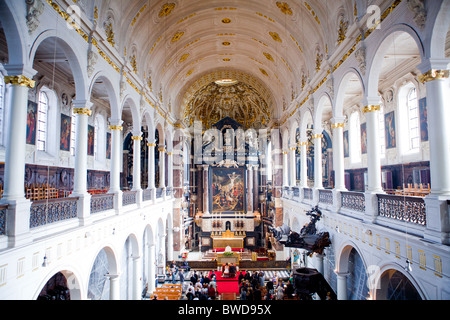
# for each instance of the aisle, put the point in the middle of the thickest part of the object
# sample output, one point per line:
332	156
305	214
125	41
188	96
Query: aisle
227	285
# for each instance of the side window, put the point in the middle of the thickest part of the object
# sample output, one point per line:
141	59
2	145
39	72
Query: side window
42	121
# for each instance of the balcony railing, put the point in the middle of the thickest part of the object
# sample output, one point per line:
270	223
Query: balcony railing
354	201
50	211
405	209
102	202
128	198
307	193
326	197
3	220
159	193
147	195
296	192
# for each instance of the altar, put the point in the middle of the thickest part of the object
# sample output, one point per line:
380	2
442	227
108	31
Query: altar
228	239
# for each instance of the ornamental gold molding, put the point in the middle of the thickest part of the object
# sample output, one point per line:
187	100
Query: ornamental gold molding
20	81
162	149
301	144
284	7
167	9
169	153
337	125
118	128
82	111
317	136
151	145
434	75
371	108
136	138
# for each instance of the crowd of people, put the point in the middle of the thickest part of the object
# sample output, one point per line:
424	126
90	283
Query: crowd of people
252	283
253	286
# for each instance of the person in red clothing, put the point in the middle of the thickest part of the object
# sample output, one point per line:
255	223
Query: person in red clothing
211	292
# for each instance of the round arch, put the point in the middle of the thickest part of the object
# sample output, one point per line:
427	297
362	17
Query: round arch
73	282
136	117
350	75
14	36
375	63
382	283
325	103
436	49
111	91
73	56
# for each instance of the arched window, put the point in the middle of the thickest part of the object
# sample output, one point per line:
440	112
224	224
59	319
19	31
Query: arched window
42	121
2	106
355	138
408	118
413	116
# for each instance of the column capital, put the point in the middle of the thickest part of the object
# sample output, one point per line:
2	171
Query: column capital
434	74
137	138
114	128
317	136
20	81
371	108
82	107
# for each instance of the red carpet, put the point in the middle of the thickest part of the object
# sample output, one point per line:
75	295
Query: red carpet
227	285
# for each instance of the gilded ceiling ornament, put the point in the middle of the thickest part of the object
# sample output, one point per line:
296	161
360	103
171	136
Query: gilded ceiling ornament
226	43
226	20
275	36
319	60
268	56
110	34
184	57
284	7
177	36
133	63
217	101
342	31
166	9
264	72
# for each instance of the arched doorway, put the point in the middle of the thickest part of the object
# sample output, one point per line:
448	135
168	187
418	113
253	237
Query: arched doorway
56	288
394	285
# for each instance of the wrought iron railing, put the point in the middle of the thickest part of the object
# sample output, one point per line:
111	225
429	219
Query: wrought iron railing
296	192
159	193
307	193
147	195
355	201
102	202
326	196
406	209
128	198
50	211
3	220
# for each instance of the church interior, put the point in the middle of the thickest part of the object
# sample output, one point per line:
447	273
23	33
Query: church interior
261	144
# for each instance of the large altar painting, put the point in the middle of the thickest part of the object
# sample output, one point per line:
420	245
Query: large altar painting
228	189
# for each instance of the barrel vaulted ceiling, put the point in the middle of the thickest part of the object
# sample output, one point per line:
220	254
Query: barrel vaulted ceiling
181	46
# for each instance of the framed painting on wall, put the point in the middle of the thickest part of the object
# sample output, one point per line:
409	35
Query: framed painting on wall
423	119
66	125
363	138
227	190
346	145
31	122
91	135
390	130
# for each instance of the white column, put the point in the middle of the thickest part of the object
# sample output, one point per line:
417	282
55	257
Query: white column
137	278
342	286
151	164
151	268
436	76
303	165
18	213
162	167
318	175
137	138
116	141
170	171
114	287
285	169
338	154
438	112
293	167
169	245
82	109
373	147
319	262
